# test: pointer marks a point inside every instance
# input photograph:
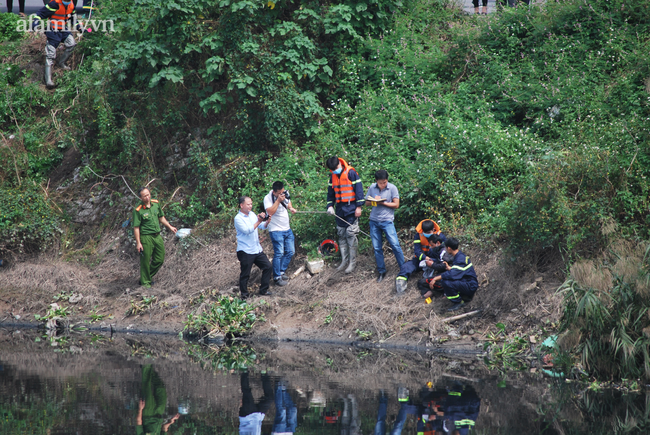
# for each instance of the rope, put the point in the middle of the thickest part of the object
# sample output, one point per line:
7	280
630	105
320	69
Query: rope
338	217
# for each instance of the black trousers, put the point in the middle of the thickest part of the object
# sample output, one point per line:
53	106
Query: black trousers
10	6
246	262
248	405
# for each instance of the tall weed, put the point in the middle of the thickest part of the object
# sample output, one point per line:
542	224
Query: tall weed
606	319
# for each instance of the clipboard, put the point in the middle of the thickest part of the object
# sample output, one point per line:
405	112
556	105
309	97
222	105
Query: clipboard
374	201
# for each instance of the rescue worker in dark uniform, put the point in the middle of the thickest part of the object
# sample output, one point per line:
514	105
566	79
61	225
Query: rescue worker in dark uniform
459	282
62	19
421	245
88	7
346	191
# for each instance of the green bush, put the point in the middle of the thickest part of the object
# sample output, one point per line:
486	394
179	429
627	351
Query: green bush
27	222
8	26
228	316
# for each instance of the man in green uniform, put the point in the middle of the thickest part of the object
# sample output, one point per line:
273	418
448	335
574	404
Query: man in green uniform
146	229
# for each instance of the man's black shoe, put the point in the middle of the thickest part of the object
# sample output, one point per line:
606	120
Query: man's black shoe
245	296
381	277
266	294
456	306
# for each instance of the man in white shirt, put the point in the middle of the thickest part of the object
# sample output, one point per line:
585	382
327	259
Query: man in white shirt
249	250
278	205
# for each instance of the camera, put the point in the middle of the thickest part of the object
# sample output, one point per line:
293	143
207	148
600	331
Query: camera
286	194
266	217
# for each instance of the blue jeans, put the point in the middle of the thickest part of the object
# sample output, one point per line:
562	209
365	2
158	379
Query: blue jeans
286	413
376	230
283	250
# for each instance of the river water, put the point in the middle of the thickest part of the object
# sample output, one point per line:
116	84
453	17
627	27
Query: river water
93	384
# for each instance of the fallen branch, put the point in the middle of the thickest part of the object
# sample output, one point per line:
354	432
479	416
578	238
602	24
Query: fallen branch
172	197
461	316
111	176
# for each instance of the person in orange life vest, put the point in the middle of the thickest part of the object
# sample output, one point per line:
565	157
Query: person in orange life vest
62	19
346	191
421	246
459	282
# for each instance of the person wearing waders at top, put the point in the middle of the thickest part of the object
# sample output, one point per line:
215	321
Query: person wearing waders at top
459	282
62	19
147	218
421	246
346	192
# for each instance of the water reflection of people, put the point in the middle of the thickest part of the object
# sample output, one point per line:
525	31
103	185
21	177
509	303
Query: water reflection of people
252	414
448	411
152	404
286	413
461	409
406	408
350	424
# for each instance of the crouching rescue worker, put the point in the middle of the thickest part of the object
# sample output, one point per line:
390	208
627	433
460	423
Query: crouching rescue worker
459	282
435	265
346	191
421	246
62	20
147	218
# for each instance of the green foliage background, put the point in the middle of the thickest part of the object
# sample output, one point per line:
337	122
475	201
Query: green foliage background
530	125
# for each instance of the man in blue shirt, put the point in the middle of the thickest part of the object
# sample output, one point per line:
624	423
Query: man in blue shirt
249	250
381	220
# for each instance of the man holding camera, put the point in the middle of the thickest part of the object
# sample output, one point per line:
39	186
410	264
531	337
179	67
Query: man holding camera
278	204
346	191
249	250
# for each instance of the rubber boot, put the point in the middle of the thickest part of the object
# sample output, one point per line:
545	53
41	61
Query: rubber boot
353	254
48	77
343	247
64	57
400	285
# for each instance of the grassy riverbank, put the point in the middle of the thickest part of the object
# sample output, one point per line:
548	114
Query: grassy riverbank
525	130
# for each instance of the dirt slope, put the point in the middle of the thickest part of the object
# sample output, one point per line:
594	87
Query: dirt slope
104	271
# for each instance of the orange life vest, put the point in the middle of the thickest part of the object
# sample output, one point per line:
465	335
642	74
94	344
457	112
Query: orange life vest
61	16
342	185
424	242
